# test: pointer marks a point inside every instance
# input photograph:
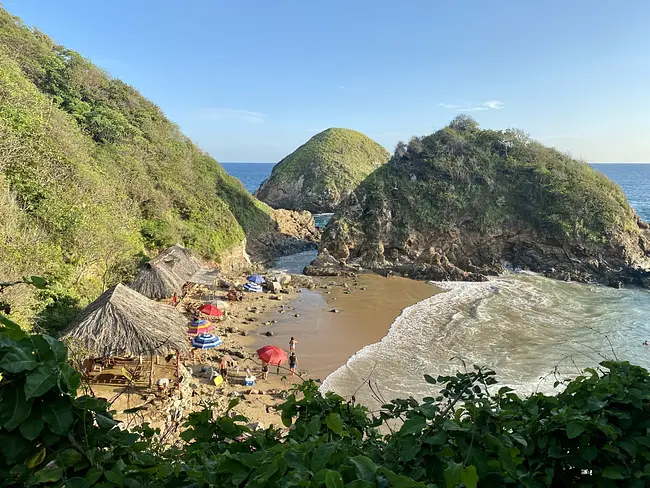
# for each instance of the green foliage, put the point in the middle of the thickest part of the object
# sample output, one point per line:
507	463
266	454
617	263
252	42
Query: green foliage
489	182
91	175
330	165
471	433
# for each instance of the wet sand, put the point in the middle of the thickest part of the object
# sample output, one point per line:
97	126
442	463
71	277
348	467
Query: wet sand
367	308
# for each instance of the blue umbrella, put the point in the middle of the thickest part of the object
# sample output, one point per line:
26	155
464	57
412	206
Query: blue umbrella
253	287
206	341
199	322
257	279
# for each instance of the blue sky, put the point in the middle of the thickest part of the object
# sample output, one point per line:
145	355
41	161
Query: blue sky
252	80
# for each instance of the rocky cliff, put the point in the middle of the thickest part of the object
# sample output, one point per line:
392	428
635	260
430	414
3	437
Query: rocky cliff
322	172
461	203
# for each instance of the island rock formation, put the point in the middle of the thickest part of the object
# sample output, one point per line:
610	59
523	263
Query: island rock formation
322	172
465	203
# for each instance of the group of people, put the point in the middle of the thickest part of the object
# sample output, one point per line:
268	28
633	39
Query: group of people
293	361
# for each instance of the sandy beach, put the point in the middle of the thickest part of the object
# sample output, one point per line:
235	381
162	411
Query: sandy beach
330	322
366	307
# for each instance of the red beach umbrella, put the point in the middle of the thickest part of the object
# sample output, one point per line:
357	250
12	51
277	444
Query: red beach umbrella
210	309
272	354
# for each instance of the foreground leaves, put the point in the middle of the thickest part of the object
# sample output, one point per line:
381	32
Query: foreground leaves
594	433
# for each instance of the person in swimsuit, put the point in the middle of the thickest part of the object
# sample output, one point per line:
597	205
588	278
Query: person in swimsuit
223	367
292	345
265	370
293	362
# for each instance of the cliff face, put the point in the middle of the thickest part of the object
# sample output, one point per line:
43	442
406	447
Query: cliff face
322	172
461	202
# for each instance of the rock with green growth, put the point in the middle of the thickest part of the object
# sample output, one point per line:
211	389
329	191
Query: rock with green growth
322	172
461	203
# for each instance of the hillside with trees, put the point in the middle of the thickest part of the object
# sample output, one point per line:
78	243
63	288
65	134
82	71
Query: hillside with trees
92	175
459	203
323	171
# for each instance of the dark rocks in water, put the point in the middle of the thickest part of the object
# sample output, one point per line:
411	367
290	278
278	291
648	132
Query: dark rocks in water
471	207
327	265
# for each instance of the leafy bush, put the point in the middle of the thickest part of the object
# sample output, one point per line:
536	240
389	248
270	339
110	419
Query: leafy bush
472	433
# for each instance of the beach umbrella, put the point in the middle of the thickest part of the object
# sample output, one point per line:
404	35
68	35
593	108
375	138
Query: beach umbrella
199	323
209	309
257	279
200	329
252	287
206	341
272	354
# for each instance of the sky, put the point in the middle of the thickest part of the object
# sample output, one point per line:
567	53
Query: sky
252	80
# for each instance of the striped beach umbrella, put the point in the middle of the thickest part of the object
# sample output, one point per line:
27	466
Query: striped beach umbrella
257	279
253	287
206	341
200	327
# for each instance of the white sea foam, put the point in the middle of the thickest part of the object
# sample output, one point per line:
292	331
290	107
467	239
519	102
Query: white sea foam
520	325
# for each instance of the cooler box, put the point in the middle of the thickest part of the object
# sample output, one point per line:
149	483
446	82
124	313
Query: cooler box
249	381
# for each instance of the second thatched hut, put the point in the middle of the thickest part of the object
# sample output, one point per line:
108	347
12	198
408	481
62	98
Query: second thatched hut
166	274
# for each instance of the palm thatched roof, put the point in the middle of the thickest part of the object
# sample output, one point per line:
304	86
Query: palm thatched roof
166	274
122	322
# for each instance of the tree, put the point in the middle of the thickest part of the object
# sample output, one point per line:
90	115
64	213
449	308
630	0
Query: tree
464	122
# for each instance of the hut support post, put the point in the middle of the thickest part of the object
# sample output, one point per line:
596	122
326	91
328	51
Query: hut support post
178	368
151	370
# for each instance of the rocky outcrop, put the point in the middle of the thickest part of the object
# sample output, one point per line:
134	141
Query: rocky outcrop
291	233
455	206
322	172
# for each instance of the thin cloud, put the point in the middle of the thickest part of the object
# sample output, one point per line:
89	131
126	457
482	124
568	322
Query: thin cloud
493	104
471	109
232	114
343	87
488	105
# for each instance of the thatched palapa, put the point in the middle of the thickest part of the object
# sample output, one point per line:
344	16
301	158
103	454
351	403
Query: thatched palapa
122	322
166	274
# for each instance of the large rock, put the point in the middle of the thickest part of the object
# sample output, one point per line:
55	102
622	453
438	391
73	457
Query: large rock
322	172
463	202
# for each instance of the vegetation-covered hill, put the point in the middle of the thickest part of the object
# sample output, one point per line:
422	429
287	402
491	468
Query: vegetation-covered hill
92	174
458	203
322	172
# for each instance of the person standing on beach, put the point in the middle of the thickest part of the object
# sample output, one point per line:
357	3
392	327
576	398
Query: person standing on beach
293	362
292	345
265	370
223	367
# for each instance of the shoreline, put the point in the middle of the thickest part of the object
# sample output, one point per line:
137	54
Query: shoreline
367	307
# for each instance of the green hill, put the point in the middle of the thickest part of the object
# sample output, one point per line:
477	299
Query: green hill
458	203
322	172
92	174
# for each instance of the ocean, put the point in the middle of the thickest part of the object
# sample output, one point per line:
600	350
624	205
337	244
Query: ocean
531	330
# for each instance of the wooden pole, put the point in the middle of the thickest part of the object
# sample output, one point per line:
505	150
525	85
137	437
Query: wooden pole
151	368
178	369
